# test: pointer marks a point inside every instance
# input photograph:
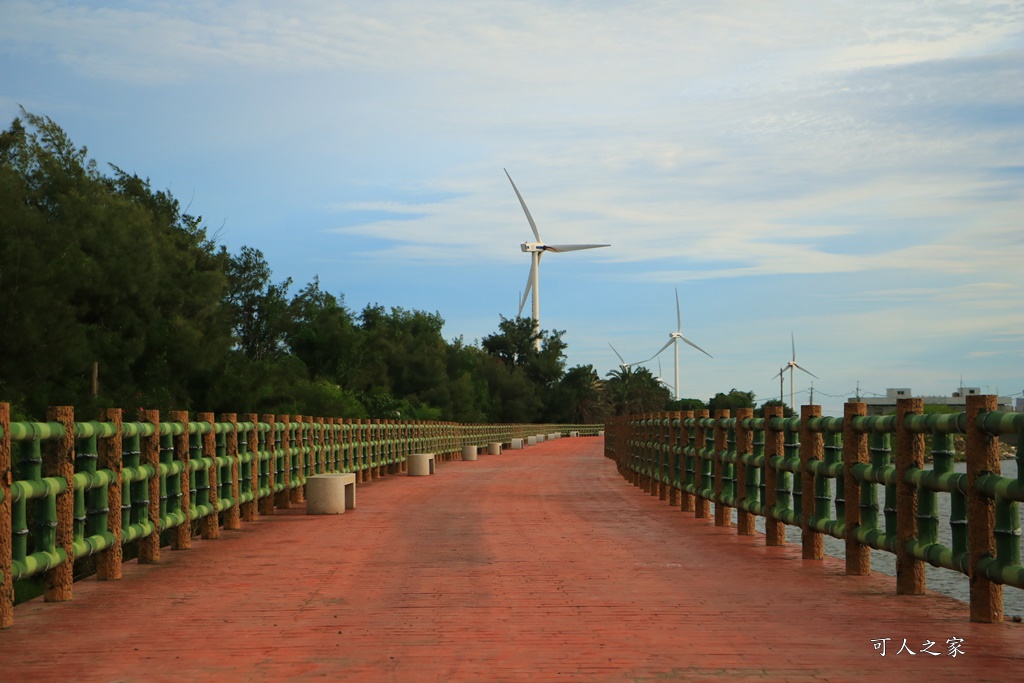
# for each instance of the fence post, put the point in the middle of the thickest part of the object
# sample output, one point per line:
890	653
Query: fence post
702	507
744	447
686	499
267	504
283	498
183	532
855	451
774	529
6	526
149	546
209	526
723	516
231	515
812	446
59	461
675	458
250	510
910	576
982	457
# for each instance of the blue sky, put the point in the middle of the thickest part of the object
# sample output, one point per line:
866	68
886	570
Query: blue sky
848	172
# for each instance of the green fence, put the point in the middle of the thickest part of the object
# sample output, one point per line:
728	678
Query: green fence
75	490
821	474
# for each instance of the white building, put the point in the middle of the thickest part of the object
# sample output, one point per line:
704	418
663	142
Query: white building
957	400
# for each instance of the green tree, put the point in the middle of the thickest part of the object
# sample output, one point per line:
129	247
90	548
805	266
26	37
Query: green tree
633	391
731	401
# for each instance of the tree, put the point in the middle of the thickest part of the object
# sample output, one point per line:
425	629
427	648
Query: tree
731	401
633	391
259	308
98	269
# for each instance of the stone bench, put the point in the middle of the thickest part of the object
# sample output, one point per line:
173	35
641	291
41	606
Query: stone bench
494	448
421	464
531	440
330	494
470	452
516	444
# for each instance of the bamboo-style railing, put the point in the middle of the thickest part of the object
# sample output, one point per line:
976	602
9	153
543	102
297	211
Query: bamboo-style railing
783	469
72	490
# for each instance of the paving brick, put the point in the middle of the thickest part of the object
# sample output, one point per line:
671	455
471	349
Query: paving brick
539	565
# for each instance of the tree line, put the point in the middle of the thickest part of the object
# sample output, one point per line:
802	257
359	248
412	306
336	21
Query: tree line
100	271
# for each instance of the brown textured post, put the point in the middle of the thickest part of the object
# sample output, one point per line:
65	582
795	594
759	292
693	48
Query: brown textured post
297	494
59	461
323	443
701	508
812	447
775	530
723	515
232	518
377	434
6	528
149	546
686	499
744	446
209	526
183	532
675	456
910	577
982	456
250	511
267	502
855	450
110	452
283	499
364	472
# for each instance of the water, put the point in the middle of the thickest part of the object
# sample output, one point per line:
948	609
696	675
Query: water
945	581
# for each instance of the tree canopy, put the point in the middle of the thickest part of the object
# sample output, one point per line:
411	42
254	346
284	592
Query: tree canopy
98	269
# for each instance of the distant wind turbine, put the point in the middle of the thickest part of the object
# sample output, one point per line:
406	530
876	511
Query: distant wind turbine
535	250
790	365
673	340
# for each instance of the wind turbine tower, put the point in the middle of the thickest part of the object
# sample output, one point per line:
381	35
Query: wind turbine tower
791	365
536	250
673	340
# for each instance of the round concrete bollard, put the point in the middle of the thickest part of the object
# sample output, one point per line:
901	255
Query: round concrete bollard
531	440
469	452
494	448
325	495
420	464
516	444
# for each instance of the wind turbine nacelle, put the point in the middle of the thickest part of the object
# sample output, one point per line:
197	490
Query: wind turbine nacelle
532	247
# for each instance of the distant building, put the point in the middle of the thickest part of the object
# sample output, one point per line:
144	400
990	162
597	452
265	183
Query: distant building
958	400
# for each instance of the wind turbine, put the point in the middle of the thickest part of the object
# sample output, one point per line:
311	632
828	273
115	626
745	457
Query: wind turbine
790	365
535	250
673	340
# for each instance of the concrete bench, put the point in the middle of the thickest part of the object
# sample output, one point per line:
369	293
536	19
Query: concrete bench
531	440
330	494
516	444
469	452
573	434
553	436
494	448
421	464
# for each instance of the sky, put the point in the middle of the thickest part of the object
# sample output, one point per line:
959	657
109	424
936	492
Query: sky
848	175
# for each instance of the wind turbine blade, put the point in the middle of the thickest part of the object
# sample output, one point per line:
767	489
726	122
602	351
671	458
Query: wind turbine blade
792	340
621	359
807	371
695	346
529	286
533	225
667	345
571	247
779	373
679	319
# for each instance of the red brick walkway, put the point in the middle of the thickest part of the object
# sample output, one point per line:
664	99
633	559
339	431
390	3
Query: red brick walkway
535	565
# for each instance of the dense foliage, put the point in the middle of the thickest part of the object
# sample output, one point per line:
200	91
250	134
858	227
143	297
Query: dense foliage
101	272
